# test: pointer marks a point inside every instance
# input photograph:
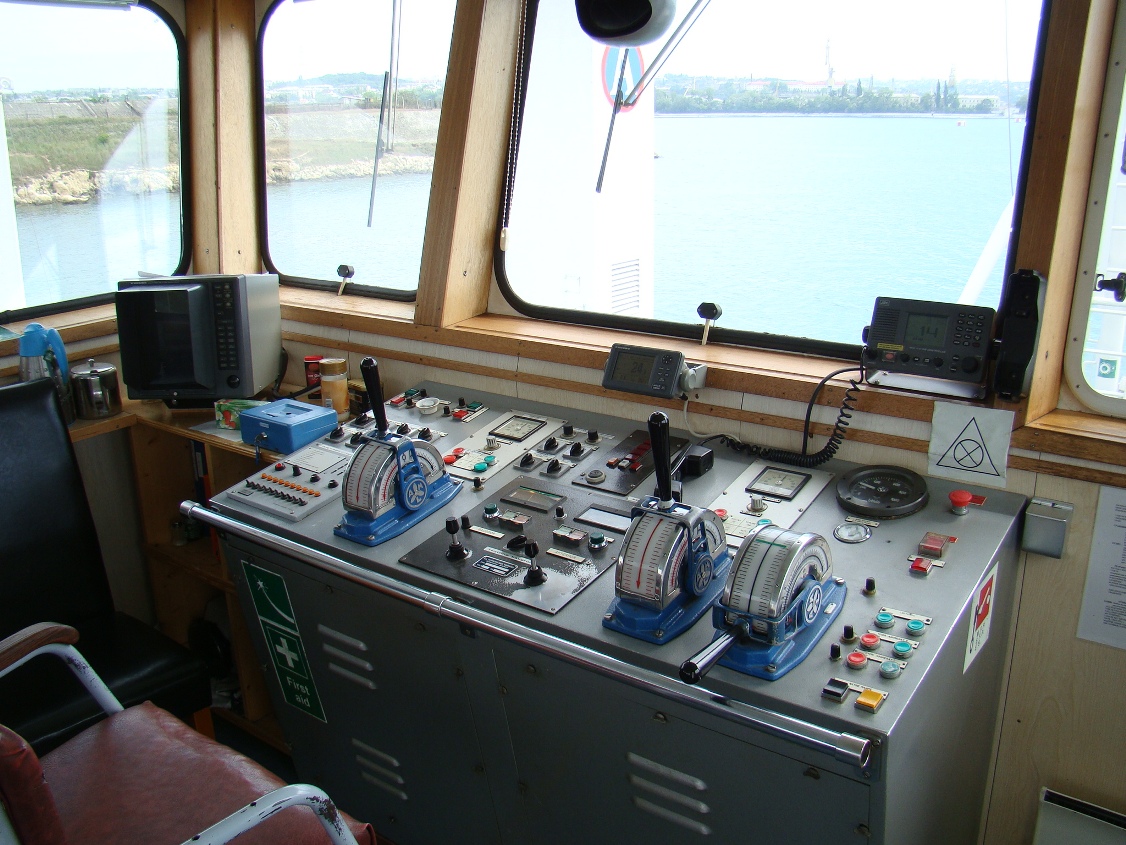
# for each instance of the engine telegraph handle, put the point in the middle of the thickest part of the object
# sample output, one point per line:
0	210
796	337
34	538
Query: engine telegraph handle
370	371
662	457
695	667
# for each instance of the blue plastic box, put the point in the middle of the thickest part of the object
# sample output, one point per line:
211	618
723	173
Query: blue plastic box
285	425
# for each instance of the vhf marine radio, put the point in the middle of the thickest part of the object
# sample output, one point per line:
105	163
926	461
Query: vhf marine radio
934	340
674	558
393	482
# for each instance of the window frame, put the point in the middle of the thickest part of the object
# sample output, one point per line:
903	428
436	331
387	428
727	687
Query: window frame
173	23
720	334
308	283
1102	165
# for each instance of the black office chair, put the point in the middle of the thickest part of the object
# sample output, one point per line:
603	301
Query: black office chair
51	568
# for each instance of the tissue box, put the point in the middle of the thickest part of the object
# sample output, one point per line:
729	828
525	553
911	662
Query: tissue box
228	411
286	425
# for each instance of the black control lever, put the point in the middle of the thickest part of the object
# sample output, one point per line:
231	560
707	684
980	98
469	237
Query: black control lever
696	666
535	574
370	371
662	457
456	551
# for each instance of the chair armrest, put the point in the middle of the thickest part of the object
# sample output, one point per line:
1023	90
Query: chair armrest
22	643
53	638
294	795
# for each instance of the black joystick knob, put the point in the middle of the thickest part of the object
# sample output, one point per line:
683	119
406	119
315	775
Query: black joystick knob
404	428
553	465
336	433
662	457
425	434
551	443
535	574
456	551
575	450
517	542
356	438
527	460
369	369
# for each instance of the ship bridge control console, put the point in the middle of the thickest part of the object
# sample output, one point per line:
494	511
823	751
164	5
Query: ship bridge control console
593	657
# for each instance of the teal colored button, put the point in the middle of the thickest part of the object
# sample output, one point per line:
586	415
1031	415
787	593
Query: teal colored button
490	508
890	669
902	650
490	459
480	466
764	522
916	627
884	619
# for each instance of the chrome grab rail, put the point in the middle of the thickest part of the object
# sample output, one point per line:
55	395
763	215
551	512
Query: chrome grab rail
848	748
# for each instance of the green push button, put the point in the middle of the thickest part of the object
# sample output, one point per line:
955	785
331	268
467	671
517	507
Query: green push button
902	650
916	627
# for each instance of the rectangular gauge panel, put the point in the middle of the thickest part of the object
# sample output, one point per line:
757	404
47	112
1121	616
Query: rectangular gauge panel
519	427
539	500
604	519
778	482
739	514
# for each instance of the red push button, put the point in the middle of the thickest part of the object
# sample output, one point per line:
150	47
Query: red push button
450	459
921	565
869	641
856	660
960	501
721	513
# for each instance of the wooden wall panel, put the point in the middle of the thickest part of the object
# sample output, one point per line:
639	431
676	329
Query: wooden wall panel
1064	725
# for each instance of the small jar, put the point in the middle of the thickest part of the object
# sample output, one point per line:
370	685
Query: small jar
334	386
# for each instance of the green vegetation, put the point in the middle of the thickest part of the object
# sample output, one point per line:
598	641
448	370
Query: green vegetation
38	146
777	98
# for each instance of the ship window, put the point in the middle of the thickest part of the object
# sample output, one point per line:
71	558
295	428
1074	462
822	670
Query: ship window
347	84
1095	362
90	170
789	164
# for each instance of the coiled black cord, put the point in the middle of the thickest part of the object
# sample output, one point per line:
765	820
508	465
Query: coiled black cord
840	427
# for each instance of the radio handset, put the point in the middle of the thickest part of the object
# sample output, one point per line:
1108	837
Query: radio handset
1018	321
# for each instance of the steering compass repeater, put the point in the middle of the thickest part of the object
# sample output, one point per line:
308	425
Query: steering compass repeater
393	482
674	558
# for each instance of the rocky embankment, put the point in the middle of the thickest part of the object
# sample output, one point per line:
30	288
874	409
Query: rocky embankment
67	187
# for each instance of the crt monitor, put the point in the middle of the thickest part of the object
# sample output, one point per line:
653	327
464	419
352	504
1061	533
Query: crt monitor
190	340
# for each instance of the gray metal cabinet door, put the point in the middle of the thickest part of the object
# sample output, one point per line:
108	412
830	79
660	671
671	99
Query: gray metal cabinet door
599	762
397	746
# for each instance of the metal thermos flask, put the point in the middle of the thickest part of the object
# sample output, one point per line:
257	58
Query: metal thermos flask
42	356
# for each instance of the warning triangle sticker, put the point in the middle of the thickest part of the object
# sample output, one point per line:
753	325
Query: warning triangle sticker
968	452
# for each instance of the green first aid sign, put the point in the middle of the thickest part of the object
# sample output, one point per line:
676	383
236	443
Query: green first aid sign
279	627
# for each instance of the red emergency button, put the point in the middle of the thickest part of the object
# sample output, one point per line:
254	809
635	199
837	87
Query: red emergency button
279	466
960	501
721	513
856	660
869	641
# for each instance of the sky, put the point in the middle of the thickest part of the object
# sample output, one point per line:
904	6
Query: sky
885	39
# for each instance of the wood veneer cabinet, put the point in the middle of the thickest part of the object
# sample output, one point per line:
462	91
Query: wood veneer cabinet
186	578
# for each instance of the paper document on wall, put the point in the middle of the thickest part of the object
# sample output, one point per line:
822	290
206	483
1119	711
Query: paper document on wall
970	443
1102	618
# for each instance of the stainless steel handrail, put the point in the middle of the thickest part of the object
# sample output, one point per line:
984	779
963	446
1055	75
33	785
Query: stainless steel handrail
849	748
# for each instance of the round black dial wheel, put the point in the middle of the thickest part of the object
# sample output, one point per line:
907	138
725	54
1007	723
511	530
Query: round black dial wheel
882	492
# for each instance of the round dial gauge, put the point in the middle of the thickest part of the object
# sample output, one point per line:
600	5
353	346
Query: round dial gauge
882	491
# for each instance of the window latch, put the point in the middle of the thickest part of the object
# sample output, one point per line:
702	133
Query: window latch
1117	284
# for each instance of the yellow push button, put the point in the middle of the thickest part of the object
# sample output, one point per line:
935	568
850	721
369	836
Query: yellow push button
870	700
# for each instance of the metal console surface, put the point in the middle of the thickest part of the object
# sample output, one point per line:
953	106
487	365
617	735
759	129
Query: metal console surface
591	724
